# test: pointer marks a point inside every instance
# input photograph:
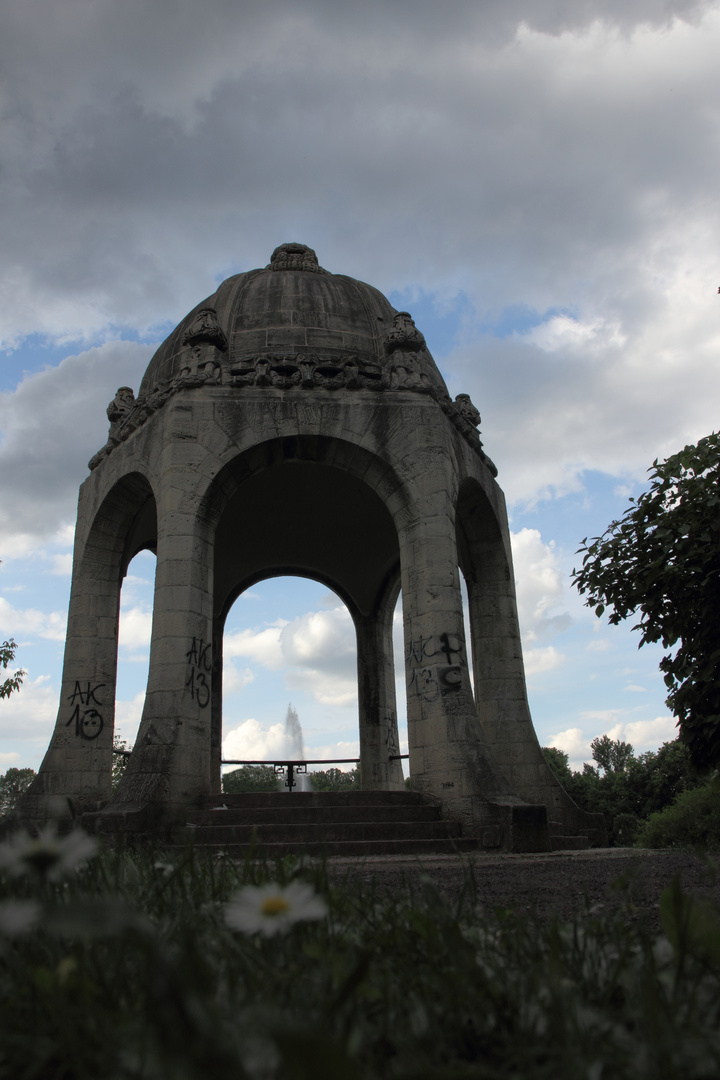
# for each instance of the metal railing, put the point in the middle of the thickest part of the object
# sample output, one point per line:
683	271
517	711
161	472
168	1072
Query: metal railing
293	767
300	767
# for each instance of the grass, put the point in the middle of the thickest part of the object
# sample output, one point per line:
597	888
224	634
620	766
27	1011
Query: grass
125	967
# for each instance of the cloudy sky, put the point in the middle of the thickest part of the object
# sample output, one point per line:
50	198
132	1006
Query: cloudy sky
535	182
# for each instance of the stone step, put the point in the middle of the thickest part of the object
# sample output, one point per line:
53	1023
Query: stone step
323	832
352	823
348	848
304	814
315	798
569	843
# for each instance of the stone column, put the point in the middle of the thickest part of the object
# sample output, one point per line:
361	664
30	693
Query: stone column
497	651
449	756
376	700
75	775
216	707
170	766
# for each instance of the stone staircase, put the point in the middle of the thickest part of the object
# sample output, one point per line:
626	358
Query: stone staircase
354	823
594	834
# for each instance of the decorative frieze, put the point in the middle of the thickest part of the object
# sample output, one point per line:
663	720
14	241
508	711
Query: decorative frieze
405	364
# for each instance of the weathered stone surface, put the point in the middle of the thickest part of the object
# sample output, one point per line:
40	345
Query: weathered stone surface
297	394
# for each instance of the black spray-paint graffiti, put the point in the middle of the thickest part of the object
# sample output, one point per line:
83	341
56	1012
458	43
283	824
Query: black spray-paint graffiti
391	740
430	680
200	661
87	719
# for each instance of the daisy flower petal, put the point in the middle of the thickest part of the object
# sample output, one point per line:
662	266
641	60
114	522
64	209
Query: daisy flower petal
273	909
48	854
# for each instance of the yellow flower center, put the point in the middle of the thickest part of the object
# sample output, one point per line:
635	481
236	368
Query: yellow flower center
274	905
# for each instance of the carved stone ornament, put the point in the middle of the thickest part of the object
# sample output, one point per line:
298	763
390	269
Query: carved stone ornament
121	406
295	257
204	330
467	409
404	335
402	368
308	370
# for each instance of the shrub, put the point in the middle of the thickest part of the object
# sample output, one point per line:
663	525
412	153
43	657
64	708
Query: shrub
692	821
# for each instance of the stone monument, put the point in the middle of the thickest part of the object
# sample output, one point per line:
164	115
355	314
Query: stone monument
295	423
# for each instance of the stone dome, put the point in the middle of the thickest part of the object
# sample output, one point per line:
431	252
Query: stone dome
290	326
293	309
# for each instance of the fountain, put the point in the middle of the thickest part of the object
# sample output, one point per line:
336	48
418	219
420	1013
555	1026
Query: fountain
295	748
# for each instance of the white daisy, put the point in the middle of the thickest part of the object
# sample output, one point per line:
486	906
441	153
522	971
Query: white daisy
272	909
47	854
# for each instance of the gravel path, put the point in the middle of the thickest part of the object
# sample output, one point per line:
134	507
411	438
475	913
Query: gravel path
555	885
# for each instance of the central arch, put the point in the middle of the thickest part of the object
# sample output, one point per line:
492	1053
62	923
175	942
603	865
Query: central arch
302	507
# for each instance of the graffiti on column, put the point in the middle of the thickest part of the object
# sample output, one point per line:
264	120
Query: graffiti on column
200	661
87	719
391	741
430	678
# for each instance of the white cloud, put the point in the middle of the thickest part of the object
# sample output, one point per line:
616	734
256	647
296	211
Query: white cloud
643	735
541	591
336	750
574	743
51	425
44	624
564	332
27	720
262	646
234	680
316	651
250	741
582	188
61	564
541	660
649	734
600	645
135	628
326	687
128	715
323	638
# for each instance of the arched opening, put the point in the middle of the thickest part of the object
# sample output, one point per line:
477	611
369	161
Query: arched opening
290	639
134	632
489	605
398	643
122	525
284	513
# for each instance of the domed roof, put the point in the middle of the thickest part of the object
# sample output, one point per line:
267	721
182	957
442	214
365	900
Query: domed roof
292	308
291	326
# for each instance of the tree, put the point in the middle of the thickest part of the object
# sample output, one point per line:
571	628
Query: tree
14	681
559	762
611	755
623	787
250	778
13	786
120	760
662	560
336	780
